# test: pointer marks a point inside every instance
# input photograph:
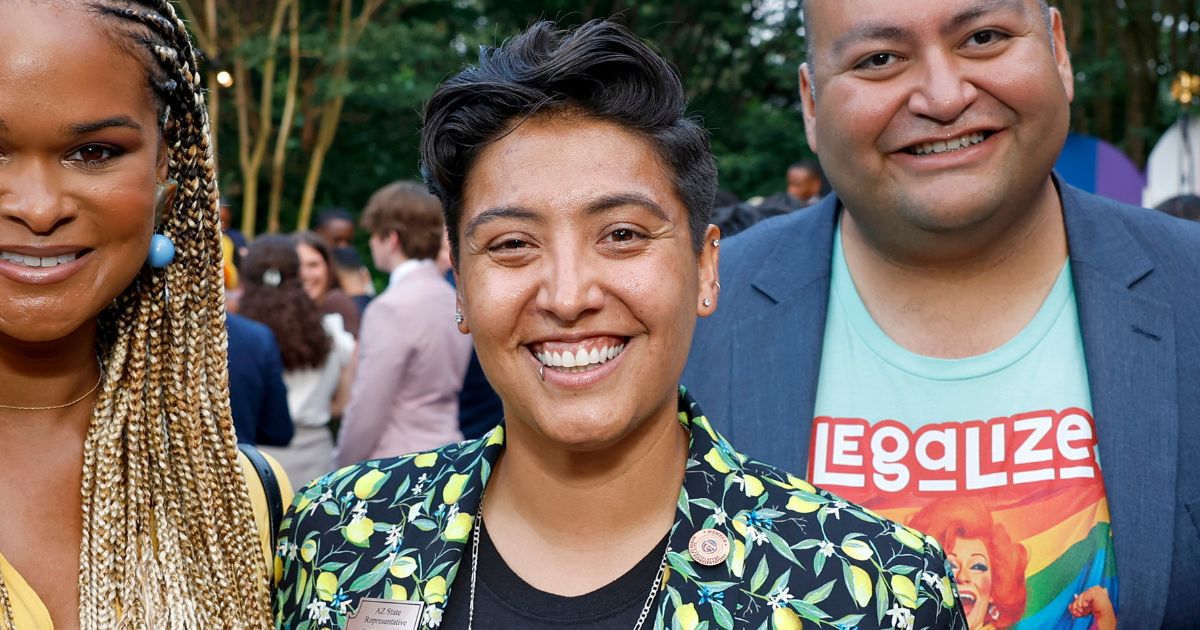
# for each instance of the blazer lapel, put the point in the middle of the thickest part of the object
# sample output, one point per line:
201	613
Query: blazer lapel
785	340
1129	346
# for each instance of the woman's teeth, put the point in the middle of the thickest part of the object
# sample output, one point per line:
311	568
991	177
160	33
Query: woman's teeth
581	359
36	261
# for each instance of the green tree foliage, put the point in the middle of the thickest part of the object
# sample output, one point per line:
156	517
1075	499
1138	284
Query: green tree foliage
1125	55
738	60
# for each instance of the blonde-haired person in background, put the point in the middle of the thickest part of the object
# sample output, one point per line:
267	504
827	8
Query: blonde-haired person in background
126	504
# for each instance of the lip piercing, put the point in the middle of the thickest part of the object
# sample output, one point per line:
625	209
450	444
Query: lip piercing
542	372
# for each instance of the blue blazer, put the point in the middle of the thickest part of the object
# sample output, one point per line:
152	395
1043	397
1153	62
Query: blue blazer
755	364
257	395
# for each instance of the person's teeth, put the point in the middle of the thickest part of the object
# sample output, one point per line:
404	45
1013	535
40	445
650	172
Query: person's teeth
37	261
580	360
954	144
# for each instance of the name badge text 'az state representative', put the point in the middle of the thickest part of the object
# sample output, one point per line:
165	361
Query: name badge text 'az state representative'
386	614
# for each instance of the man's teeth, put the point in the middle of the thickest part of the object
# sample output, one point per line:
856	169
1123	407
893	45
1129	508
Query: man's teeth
942	146
580	358
36	261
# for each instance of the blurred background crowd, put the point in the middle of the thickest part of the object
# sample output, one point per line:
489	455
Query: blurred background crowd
316	111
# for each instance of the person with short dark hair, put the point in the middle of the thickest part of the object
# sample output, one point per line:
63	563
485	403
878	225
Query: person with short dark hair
805	183
353	277
412	360
1182	206
576	196
336	226
804	186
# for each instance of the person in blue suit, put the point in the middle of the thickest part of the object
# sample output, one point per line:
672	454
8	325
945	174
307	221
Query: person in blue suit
955	322
257	395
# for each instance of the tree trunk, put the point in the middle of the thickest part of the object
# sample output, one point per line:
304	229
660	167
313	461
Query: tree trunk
350	31
252	152
278	159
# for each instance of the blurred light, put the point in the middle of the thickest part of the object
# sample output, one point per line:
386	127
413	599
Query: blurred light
225	79
1185	89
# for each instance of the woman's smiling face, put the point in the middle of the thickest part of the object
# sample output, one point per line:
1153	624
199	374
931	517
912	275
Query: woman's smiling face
575	254
314	273
972	571
80	150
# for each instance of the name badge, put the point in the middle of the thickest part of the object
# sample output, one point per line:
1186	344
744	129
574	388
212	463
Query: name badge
386	614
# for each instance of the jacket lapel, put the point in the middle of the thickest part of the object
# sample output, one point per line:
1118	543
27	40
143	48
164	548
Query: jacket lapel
693	593
458	483
786	337
1129	345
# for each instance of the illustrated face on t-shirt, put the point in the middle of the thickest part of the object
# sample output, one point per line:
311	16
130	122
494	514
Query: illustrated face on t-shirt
995	456
969	559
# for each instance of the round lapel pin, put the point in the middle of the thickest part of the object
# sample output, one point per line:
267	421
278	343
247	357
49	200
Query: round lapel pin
709	547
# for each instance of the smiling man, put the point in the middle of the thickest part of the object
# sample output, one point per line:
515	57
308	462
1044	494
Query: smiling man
956	326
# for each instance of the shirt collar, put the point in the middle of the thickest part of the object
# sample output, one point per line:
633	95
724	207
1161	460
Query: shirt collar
405	268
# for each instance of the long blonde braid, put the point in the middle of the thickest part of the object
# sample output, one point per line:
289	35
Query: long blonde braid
169	539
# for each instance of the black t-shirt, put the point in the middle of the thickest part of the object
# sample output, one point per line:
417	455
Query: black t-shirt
503	601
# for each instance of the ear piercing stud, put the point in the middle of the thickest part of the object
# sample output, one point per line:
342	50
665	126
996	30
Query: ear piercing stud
707	302
716	242
458	317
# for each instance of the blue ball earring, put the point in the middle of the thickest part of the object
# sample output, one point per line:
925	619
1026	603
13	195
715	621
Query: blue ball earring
162	251
162	248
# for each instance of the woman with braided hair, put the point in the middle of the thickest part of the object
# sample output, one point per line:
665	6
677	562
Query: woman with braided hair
126	504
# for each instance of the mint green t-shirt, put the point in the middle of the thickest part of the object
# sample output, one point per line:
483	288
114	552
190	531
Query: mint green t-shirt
993	454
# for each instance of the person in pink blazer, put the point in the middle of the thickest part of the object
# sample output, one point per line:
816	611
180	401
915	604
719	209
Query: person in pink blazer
411	357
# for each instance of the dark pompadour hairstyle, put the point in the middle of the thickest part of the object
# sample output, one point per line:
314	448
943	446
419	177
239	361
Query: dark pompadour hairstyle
598	70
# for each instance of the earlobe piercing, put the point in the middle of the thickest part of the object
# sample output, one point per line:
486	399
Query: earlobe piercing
458	317
162	248
717	284
164	196
707	302
716	242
